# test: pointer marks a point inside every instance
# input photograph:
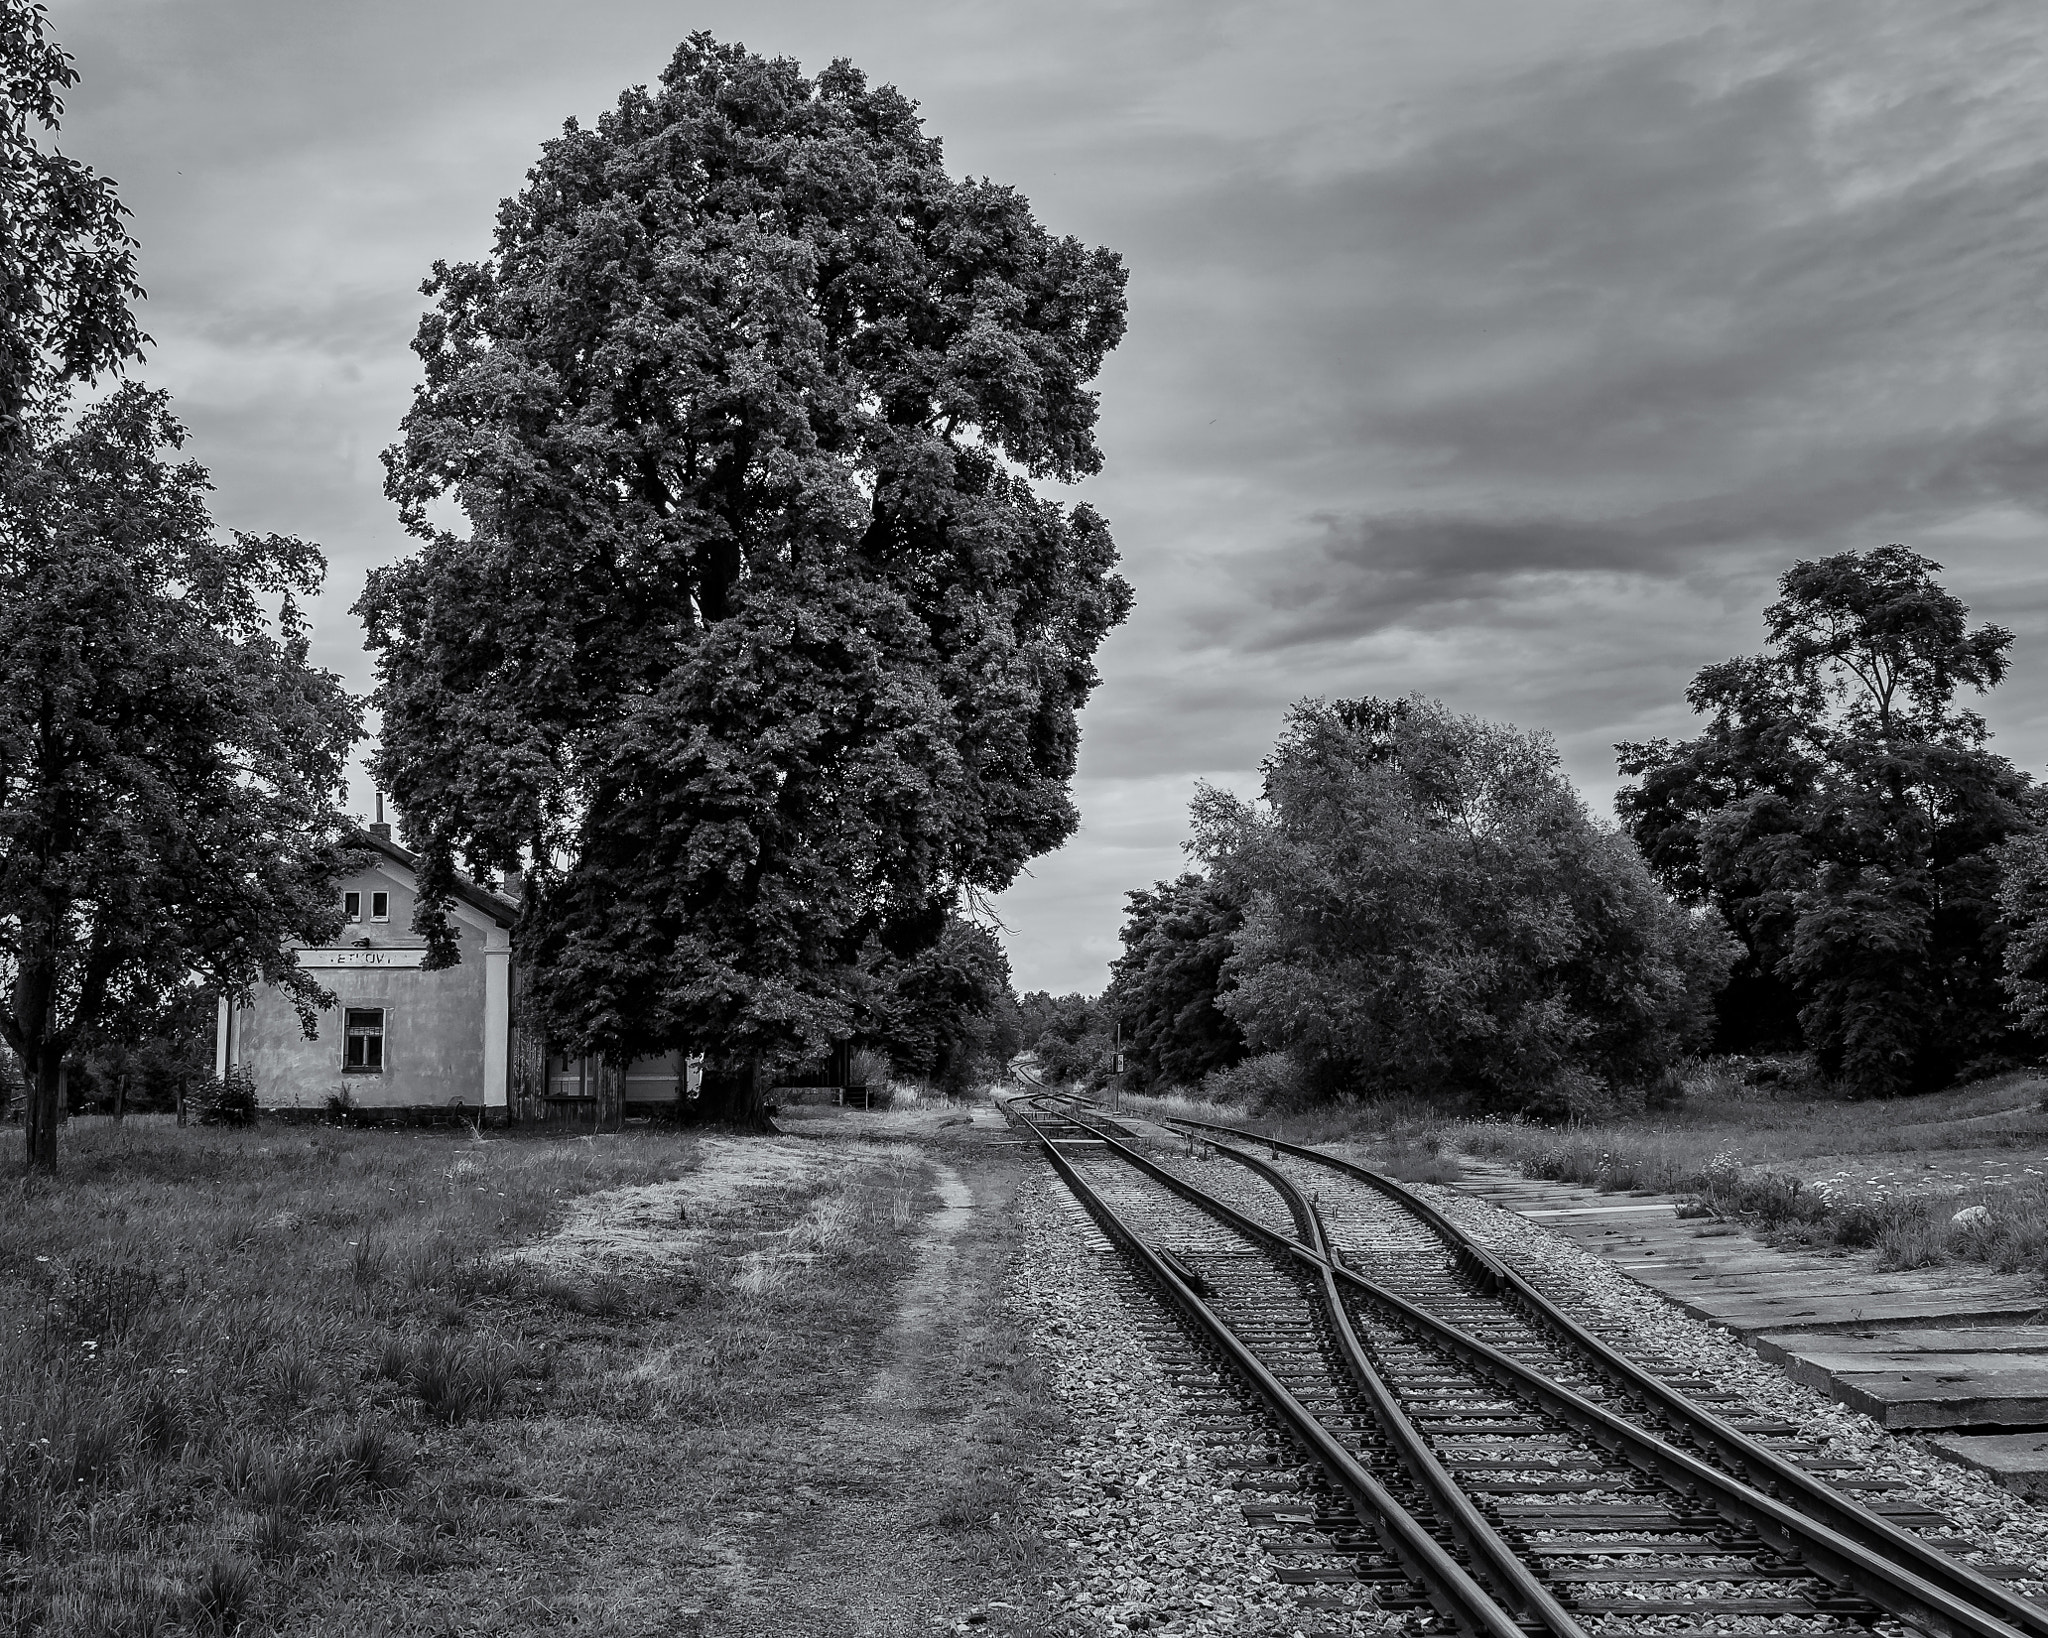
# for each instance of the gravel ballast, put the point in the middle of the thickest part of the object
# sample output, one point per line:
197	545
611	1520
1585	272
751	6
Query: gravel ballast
1142	1506
2008	1528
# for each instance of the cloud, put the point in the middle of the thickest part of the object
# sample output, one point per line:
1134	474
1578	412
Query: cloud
1504	352
1530	407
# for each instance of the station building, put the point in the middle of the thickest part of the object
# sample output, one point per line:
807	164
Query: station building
403	1043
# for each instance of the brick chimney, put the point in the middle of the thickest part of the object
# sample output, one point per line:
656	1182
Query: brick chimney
378	828
515	884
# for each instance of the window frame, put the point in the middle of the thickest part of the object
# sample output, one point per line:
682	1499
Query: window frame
373	1037
352	907
377	899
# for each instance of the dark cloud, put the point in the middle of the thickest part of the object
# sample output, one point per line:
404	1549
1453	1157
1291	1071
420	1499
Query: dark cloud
1506	353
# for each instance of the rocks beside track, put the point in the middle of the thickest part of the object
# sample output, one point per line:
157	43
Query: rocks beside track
2005	1533
1145	1510
1953	1353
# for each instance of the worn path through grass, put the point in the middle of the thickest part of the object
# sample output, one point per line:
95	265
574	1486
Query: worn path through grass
366	1384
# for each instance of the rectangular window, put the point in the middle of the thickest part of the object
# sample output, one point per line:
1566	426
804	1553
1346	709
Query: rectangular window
363	1035
380	906
352	906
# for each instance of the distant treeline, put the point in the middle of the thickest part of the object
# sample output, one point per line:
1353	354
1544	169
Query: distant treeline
1419	903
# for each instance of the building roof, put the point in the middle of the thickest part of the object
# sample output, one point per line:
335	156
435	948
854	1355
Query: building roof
501	909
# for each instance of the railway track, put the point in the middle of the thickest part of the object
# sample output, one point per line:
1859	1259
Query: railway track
1413	1415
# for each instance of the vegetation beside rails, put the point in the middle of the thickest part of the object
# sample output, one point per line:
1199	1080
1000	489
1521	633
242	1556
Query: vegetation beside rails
284	1379
1797	1168
1907	1227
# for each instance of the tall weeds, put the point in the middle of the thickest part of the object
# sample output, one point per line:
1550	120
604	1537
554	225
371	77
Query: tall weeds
212	1340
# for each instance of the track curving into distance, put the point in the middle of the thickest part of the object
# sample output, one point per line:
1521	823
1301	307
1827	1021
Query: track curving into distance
1520	1471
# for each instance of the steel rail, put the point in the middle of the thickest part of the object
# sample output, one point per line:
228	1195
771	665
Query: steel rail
1447	1584
1833	1556
1762	1466
1510	1574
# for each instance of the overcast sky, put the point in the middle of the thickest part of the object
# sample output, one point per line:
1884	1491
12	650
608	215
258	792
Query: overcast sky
1499	351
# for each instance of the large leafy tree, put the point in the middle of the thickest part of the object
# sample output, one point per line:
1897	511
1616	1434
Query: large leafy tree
168	757
67	264
1428	909
1845	815
760	642
1163	988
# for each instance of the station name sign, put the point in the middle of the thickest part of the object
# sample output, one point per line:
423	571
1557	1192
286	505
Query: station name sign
361	958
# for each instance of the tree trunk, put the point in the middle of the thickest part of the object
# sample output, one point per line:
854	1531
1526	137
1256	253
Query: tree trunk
608	1113
736	1096
178	1098
120	1097
44	1108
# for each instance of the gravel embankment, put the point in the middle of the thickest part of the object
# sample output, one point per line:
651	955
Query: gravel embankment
1159	1540
2011	1530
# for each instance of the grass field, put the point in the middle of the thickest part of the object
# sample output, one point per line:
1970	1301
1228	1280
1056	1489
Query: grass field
288	1380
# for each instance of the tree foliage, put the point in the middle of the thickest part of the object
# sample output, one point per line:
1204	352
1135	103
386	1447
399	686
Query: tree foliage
168	757
1177	936
1428	909
760	641
2023	913
1845	816
1069	1035
937	1013
67	264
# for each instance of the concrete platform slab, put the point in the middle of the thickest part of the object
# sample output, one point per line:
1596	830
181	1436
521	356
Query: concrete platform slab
1747	1313
1905	1346
1940	1349
1985	1392
2018	1461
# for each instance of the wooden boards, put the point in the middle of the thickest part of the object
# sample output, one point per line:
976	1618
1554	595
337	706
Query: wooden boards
1951	1349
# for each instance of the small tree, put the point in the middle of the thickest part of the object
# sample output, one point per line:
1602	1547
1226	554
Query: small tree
760	644
1429	909
1846	817
152	1053
168	758
1164	987
931	1010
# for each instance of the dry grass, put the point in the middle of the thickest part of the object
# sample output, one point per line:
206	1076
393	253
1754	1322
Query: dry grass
1802	1169
283	1380
1809	1171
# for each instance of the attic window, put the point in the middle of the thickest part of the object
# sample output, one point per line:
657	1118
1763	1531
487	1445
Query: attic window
352	906
380	906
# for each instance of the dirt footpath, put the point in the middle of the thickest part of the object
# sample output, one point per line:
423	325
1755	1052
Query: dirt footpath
889	1493
900	1508
776	1390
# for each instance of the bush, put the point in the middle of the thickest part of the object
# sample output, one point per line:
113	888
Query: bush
227	1101
866	1067
1430	911
1271	1083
